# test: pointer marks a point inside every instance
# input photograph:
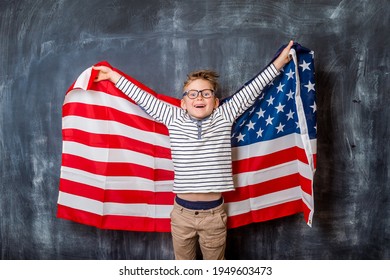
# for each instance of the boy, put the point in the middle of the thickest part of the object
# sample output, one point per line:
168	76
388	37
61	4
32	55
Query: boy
200	133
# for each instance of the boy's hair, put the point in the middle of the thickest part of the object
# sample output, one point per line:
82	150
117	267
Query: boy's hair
207	75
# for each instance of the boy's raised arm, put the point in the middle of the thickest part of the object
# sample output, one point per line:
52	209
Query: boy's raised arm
284	57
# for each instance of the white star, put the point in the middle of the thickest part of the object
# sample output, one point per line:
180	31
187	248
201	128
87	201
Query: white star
240	137
280	87
260	133
269	120
280	127
314	106
250	125
290	74
290	115
310	86
279	108
270	100
290	95
305	66
251	110
312	54
260	113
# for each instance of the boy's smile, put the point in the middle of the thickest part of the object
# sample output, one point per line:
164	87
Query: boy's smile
199	107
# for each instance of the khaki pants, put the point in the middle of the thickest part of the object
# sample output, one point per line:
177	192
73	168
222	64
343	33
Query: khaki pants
206	226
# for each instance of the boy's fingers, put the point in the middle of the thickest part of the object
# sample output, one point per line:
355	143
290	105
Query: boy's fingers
99	67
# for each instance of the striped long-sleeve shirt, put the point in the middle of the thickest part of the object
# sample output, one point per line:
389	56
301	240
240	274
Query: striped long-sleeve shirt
201	149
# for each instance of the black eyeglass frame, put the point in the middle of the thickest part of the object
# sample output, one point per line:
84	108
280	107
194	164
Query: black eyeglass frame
186	93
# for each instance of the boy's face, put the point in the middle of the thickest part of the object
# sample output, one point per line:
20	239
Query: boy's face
199	107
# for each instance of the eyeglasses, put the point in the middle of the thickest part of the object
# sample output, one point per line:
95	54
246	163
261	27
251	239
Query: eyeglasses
193	93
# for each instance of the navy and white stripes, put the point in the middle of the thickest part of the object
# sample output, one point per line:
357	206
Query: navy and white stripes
201	155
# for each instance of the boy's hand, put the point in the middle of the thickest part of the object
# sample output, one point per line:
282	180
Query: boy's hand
284	57
106	73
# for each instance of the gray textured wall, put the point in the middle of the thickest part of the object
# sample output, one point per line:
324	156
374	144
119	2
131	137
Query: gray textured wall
45	45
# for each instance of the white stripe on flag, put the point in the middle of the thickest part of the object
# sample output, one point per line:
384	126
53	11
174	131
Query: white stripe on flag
115	182
83	80
264	201
260	176
268	147
114	128
116	155
92	97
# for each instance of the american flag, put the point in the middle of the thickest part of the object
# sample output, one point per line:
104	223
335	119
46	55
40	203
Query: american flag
117	172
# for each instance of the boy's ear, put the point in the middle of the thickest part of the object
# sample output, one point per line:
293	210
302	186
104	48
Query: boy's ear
216	103
183	104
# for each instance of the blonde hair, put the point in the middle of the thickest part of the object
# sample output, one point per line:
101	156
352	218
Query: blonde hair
207	75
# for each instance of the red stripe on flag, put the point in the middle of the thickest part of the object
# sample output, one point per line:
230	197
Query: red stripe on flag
116	168
269	160
79	216
115	142
127	196
116	196
266	214
81	189
306	185
263	188
137	223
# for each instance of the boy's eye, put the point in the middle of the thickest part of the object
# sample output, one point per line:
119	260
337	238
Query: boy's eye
193	94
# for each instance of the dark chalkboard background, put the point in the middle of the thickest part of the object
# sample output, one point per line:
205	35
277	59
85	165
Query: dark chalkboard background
45	45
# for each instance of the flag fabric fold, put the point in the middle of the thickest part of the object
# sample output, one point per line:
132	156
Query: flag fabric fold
117	173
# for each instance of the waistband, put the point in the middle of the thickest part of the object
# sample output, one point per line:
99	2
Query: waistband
198	205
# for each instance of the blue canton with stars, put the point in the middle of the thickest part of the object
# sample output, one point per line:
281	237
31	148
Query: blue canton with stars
275	113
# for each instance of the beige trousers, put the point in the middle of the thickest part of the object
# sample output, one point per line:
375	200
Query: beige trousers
208	227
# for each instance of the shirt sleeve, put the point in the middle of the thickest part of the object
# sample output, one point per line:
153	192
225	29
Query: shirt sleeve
156	108
246	96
